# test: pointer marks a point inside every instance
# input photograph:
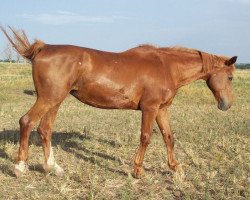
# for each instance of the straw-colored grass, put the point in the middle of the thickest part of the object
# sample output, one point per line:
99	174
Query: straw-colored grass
96	147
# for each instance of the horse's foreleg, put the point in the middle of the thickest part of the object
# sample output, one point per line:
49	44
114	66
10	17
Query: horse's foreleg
45	131
27	123
162	121
148	117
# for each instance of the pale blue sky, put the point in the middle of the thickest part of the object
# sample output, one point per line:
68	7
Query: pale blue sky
216	26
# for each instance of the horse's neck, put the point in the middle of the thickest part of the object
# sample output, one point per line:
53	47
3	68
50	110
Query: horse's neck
189	71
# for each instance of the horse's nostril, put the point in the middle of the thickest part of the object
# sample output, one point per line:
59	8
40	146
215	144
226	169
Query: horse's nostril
223	106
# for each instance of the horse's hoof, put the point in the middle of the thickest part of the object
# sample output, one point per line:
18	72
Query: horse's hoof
139	172
47	168
58	170
19	169
18	173
173	167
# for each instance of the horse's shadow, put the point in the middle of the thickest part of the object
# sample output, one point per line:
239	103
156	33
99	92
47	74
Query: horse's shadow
4	168
67	142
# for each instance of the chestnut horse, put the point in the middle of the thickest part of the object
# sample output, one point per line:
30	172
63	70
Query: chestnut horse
144	78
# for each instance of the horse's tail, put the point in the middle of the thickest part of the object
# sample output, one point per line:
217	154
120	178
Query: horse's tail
22	45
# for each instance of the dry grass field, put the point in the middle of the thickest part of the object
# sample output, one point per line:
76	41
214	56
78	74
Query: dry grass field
96	147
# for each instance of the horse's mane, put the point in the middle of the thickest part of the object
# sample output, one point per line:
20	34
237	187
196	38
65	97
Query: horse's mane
209	60
180	49
172	48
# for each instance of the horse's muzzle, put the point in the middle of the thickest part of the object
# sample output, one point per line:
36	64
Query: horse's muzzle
223	105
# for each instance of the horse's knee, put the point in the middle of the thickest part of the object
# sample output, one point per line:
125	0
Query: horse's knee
25	122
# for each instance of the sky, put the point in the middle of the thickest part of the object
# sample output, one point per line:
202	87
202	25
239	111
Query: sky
216	26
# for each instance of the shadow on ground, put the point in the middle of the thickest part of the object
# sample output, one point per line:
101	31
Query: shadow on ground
67	142
30	92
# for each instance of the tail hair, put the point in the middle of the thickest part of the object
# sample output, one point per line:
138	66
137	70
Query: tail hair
21	43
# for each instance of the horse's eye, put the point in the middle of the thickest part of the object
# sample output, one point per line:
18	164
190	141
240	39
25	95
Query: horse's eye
230	78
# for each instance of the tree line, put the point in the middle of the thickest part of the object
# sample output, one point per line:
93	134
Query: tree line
10	55
243	66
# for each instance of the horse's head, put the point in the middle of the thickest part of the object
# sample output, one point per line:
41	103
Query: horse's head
220	83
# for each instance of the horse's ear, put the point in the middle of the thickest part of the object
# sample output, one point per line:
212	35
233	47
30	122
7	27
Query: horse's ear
231	61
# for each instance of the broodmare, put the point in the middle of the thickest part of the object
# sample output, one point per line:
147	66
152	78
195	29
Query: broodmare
143	78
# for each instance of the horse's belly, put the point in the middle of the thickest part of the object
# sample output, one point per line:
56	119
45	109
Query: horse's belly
104	97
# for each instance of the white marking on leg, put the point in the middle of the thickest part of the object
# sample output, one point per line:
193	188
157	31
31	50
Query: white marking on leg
20	168
51	160
53	165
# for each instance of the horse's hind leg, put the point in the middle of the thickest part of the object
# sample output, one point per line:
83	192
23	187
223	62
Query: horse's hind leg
27	122
45	130
162	121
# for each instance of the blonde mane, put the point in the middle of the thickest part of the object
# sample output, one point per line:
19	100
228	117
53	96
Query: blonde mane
173	48
179	48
